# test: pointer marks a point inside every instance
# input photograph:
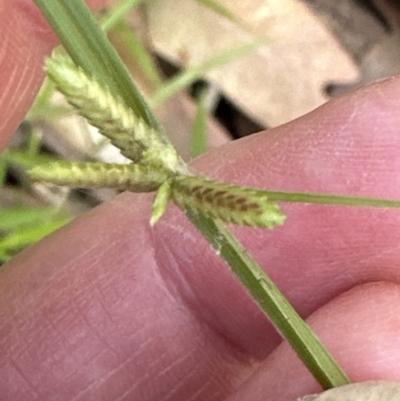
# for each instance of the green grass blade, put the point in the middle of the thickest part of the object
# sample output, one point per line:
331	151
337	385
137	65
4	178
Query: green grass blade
49	112
187	77
198	139
222	11
333	200
43	108
118	13
21	238
139	53
3	171
23	159
34	142
42	100
13	218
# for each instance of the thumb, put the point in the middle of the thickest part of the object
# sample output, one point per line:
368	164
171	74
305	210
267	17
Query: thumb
25	39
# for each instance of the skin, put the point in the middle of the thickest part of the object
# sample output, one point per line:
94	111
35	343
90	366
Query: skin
109	309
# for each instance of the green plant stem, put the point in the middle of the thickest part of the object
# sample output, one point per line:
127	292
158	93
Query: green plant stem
89	48
272	302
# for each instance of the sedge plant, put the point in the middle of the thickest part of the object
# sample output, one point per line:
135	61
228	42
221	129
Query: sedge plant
96	83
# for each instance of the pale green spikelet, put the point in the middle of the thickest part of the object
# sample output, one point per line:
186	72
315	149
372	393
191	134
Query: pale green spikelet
163	196
229	203
130	177
103	110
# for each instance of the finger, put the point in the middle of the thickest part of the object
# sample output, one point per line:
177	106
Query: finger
350	146
25	39
116	307
361	328
87	315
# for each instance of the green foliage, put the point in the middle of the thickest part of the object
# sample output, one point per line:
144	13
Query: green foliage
198	139
18	217
23	226
190	75
117	14
3	171
23	159
137	50
223	12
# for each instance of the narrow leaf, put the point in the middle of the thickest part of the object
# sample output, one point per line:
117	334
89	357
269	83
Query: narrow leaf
140	55
333	200
193	73
23	159
198	139
12	218
3	171
118	13
224	12
23	237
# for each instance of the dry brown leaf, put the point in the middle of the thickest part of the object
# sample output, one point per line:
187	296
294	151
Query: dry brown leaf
275	84
366	391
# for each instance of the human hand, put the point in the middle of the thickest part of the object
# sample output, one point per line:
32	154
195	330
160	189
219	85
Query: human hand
108	308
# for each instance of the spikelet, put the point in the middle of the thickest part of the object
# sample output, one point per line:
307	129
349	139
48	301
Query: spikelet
157	165
163	196
103	110
131	177
229	203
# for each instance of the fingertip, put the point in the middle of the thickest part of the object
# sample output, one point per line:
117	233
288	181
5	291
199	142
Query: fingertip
321	250
360	328
25	39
